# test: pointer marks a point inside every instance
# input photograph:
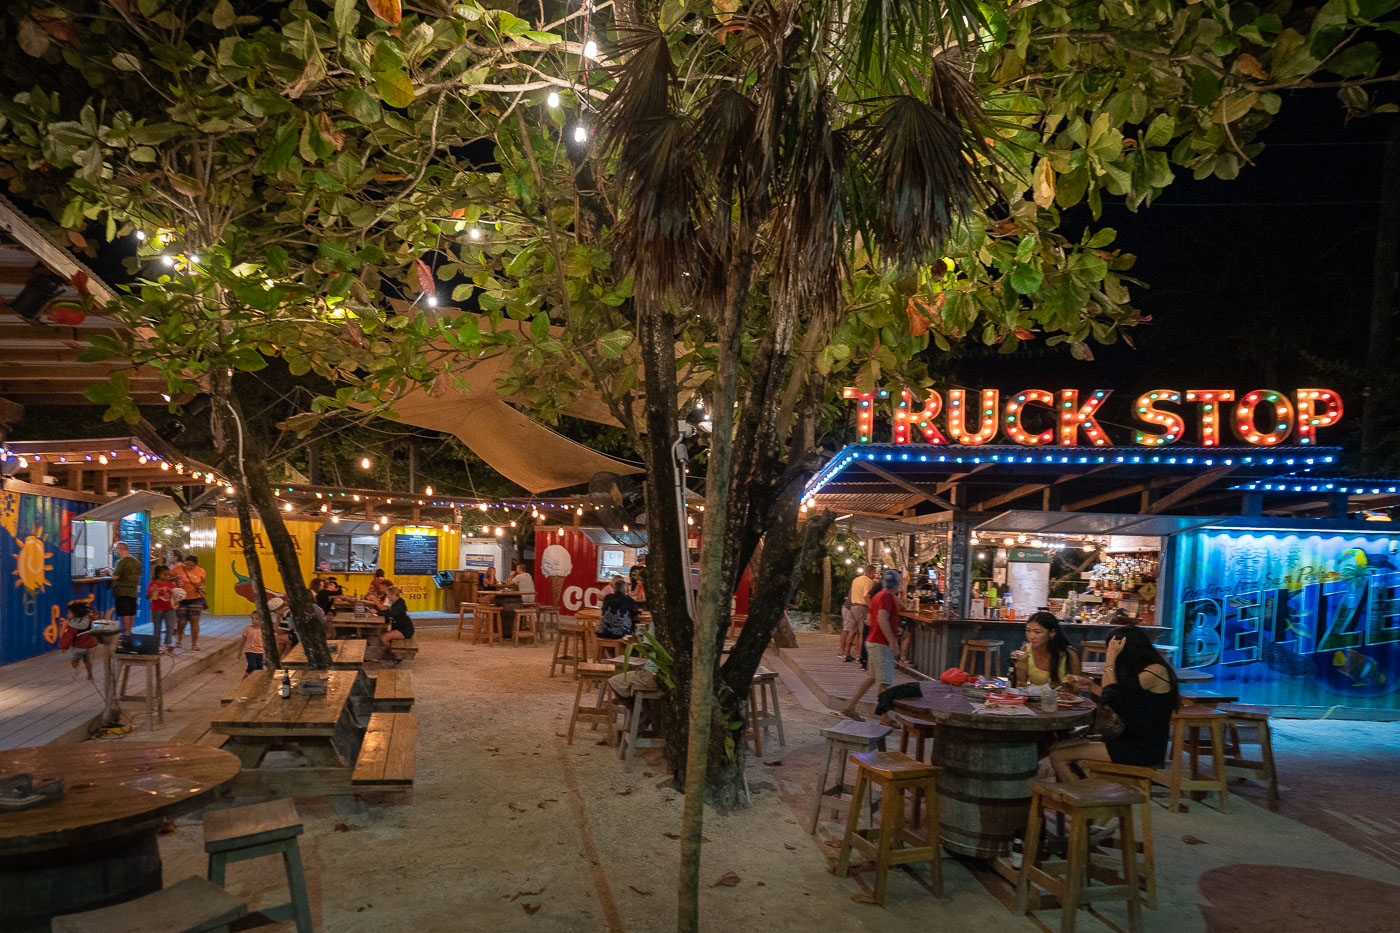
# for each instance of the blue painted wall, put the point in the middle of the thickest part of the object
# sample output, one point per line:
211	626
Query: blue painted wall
1292	619
36	571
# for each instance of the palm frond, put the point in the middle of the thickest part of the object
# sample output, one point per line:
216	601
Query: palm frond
887	31
658	240
644	78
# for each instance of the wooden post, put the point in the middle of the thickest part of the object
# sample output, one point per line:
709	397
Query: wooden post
313	463
826	625
413	466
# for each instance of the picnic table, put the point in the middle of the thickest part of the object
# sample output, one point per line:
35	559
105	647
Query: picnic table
347	654
987	758
357	624
350	747
97	843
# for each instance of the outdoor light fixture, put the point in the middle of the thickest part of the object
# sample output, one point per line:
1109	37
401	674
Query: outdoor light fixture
364	463
580	134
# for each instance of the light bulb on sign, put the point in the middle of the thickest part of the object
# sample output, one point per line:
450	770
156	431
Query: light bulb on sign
552	100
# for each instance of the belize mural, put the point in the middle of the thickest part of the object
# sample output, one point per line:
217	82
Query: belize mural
36	553
1291	619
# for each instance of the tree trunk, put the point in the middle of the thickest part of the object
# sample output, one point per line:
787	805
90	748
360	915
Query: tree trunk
248	460
1385	295
826	625
271	656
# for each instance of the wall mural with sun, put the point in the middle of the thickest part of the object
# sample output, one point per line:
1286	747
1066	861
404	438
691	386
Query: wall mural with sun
36	558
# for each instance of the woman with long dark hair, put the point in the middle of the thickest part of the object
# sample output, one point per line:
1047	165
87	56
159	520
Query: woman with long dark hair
1047	653
1141	688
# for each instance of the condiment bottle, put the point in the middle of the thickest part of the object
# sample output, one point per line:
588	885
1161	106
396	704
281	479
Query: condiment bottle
285	690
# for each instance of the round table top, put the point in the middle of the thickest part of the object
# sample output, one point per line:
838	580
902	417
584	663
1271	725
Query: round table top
1194	677
111	788
950	706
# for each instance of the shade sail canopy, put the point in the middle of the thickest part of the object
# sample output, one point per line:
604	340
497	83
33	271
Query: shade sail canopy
1093	523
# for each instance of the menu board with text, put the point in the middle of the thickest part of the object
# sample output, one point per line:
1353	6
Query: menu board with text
415	555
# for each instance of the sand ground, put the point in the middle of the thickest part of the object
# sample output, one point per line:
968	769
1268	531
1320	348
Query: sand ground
509	828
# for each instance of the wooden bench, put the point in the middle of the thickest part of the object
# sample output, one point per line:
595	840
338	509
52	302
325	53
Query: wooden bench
401	649
393	691
387	753
199	733
190	906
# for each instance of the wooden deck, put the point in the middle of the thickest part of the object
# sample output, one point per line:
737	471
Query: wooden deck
832	680
41	702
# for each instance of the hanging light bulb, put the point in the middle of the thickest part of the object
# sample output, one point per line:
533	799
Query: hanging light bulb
559	533
625	529
325	508
534	513
364	463
500	531
432	301
590	49
140	234
102	458
376	527
167	260
229	490
481	505
512	523
690	520
553	99
427	490
580	133
287	507
383	519
474	233
335	519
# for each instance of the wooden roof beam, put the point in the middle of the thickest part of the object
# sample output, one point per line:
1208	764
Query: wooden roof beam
1189	488
1113	494
907	486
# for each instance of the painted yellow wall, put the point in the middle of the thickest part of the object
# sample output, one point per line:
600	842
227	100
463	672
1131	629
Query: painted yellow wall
218	544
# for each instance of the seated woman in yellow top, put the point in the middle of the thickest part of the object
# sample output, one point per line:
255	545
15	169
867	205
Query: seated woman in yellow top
1049	658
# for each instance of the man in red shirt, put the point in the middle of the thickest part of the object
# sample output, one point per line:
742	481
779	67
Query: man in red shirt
884	629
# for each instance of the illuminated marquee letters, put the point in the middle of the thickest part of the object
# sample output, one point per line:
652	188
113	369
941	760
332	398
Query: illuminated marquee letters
1260	418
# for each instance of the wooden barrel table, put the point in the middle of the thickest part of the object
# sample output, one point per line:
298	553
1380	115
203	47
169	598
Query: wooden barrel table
96	845
986	758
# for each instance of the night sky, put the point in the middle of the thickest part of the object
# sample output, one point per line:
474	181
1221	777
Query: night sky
1259	282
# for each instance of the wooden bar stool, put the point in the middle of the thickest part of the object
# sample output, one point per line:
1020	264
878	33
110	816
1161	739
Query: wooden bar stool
240	833
568	648
155	693
763	708
632	735
488	624
921	730
1070	879
526	626
842	739
1141	780
591	677
1253	719
987	650
191	906
462	615
1095	650
1187	724
549	621
894	844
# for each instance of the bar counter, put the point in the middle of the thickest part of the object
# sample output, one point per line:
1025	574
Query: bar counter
938	641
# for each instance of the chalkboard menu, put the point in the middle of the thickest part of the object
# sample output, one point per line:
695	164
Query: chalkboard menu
415	555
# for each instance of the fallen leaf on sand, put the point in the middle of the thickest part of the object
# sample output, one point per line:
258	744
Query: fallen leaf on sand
519	894
493	750
342	827
790	848
640	891
530	908
515	808
1193	841
624	792
760	884
672	835
728	880
545	801
774	764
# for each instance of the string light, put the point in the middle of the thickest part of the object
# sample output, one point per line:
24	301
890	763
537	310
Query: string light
481	505
229	490
364	463
287	507
140	234
590	49
1172	424
335	519
500	531
552	100
102	459
167	260
580	133
427	490
383	519
1016	407
432	301
375	526
474	233
986	430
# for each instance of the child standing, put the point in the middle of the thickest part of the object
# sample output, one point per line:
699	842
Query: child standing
161	595
253	643
76	635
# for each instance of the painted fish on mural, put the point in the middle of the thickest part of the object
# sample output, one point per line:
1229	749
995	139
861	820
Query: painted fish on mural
1358	666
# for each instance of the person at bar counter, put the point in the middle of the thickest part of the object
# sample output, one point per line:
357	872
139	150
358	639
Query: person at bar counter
884	617
126	581
523	583
1046	657
854	627
1141	688
400	625
618	616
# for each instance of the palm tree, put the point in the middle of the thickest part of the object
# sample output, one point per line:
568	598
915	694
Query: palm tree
764	158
